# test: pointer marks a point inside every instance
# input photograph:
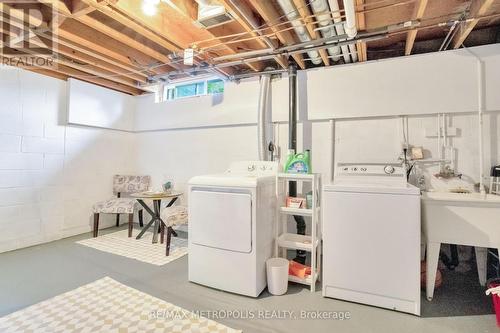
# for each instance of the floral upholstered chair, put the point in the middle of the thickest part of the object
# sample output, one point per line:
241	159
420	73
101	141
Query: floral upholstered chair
122	185
172	216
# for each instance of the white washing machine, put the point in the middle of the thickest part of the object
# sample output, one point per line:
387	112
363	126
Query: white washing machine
231	217
371	237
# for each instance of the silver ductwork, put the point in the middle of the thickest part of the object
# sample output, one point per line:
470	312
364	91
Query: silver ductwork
293	16
321	10
264	116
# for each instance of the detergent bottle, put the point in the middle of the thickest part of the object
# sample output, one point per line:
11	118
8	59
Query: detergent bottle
298	163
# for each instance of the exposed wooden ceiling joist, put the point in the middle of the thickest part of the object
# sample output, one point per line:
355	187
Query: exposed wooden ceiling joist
84	58
118	16
168	27
80	8
123	38
89	47
82	53
477	8
418	13
271	16
88	73
89	69
114	43
47	72
110	32
244	16
361	25
71	72
189	9
77	33
96	80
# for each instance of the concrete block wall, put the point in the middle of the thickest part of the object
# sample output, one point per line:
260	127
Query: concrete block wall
51	174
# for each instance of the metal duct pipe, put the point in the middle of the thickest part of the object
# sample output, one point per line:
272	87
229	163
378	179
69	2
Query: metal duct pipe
284	51
292	146
292	108
346	49
262	123
252	74
292	15
288	53
252	21
321	10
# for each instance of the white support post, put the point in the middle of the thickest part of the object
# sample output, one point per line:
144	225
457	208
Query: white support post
480	77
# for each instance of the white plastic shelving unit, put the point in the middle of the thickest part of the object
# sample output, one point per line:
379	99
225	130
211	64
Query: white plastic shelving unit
286	240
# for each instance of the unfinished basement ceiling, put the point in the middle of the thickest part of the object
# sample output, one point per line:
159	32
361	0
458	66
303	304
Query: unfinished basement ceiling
117	44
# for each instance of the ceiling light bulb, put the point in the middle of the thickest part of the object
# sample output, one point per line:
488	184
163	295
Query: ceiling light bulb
150	7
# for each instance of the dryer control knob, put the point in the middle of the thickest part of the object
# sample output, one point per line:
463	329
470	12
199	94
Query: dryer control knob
389	169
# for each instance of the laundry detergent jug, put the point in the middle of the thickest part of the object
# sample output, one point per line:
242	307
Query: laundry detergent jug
298	163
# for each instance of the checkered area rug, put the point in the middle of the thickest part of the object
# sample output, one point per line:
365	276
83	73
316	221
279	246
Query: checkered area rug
106	306
139	249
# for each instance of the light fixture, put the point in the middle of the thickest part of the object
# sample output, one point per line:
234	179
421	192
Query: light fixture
150	7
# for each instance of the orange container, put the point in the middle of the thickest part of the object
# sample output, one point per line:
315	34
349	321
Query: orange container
298	270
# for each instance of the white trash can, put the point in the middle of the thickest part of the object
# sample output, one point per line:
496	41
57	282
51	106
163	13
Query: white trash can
277	275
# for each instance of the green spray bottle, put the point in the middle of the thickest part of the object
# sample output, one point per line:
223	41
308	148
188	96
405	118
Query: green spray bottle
298	163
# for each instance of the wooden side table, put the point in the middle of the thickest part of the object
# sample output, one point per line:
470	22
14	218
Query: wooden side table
156	197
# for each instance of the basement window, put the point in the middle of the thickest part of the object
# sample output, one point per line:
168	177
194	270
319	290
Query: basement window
215	87
192	89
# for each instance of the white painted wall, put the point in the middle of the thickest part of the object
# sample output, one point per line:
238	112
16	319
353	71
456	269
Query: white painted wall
181	154
50	173
420	84
91	105
236	106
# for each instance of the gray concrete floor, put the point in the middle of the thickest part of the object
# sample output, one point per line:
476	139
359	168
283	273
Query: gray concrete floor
37	273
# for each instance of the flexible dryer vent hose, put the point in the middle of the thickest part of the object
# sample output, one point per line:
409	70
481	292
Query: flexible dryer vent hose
265	91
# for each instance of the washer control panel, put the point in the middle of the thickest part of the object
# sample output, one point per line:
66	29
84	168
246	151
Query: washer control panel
370	169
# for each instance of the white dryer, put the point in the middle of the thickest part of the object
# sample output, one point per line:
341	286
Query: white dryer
371	237
231	218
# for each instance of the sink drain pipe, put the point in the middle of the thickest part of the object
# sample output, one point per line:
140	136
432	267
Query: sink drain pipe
292	147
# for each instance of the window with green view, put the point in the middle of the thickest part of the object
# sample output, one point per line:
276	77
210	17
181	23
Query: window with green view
205	87
215	86
192	89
